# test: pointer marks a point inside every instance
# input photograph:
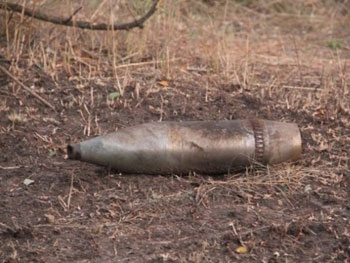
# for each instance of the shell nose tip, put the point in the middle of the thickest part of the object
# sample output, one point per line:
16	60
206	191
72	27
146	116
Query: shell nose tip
73	153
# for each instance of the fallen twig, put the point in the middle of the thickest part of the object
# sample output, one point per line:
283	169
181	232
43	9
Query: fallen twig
26	88
81	24
9	167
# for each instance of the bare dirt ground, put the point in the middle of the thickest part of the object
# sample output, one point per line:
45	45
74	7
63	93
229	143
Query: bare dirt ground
210	60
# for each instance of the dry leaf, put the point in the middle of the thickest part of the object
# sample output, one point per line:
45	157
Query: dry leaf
50	218
323	146
241	250
164	83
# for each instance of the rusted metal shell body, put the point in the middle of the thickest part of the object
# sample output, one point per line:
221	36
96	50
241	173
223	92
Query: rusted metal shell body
201	146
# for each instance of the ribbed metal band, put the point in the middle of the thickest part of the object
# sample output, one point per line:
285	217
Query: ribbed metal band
258	128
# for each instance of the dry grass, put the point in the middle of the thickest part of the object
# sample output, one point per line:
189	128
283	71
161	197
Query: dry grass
285	60
232	44
232	41
275	50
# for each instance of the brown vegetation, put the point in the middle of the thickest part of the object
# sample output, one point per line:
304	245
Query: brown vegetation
194	60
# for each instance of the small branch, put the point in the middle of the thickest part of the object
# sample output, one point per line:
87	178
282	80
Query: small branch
26	88
71	17
37	14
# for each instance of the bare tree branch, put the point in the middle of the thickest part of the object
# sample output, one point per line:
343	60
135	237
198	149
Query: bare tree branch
74	13
81	24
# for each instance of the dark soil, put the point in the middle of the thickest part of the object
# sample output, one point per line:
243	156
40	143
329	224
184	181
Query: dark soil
79	212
